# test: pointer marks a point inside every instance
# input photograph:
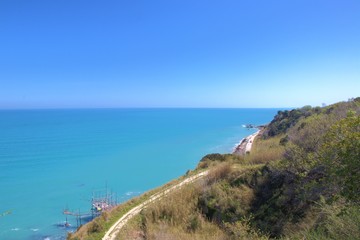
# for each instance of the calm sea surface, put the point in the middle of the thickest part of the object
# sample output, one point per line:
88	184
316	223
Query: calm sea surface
54	159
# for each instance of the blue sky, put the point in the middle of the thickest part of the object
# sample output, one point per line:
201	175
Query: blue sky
133	53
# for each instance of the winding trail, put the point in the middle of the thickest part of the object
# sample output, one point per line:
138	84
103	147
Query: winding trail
116	227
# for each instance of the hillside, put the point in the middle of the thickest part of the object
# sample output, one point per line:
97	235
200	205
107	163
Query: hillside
300	181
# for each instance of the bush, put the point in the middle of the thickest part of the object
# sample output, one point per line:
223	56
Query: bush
335	221
219	172
241	230
213	159
286	119
341	154
95	227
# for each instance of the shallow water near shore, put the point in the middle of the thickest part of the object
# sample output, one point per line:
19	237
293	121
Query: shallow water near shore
54	159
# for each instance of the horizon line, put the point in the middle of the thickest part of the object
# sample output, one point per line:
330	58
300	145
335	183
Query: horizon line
109	108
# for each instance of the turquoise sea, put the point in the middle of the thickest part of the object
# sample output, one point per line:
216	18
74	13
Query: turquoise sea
54	159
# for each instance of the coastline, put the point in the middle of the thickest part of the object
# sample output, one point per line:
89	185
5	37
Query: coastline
245	144
110	138
242	148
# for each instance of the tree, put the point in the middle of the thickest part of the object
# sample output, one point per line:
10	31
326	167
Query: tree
341	155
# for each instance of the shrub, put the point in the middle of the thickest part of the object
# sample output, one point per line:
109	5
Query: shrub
219	172
241	230
341	154
335	221
213	159
95	227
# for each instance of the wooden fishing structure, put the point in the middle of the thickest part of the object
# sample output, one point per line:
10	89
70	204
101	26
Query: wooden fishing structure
101	201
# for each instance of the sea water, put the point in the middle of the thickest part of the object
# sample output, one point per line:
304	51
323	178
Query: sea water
51	160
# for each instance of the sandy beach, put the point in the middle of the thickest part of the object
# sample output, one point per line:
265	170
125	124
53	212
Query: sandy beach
245	144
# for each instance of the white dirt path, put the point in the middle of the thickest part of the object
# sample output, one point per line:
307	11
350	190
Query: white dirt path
116	227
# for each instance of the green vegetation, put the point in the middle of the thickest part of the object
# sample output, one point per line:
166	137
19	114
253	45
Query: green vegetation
286	119
200	211
341	155
265	150
300	181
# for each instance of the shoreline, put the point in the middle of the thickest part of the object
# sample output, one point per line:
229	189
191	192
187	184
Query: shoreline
245	145
242	148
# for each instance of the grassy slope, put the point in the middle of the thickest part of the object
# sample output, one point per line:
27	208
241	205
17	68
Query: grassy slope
279	190
96	229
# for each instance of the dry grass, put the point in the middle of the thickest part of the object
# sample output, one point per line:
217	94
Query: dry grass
178	216
265	150
132	230
219	172
241	230
174	217
328	221
164	231
96	229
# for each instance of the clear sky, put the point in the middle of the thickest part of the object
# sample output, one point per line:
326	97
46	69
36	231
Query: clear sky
178	53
